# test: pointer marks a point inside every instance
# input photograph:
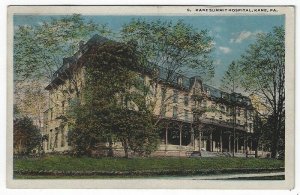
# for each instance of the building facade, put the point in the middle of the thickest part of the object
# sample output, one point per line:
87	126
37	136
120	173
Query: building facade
194	117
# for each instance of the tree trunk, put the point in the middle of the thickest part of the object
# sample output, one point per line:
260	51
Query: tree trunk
275	139
126	148
110	149
256	148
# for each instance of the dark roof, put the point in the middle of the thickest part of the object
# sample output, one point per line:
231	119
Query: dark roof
163	74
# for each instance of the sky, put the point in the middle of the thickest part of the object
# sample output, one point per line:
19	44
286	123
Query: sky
231	34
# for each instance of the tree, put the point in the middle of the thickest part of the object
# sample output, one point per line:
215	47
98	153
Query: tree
231	83
39	51
26	135
31	100
114	105
263	66
176	47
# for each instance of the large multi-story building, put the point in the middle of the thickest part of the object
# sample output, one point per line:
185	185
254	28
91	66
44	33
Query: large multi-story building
196	116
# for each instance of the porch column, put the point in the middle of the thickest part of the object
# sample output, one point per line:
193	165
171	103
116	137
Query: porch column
180	135
180	139
211	142
166	138
200	140
237	144
251	146
245	144
221	144
192	137
229	143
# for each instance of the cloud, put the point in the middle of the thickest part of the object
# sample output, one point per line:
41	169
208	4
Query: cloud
217	62
225	49
239	37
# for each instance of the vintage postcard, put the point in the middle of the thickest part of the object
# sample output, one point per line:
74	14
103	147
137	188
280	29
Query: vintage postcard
151	97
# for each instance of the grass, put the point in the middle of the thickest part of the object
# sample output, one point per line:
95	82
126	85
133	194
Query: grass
68	163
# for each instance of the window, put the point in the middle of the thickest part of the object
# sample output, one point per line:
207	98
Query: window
50	139
220	117
163	110
63	106
48	142
213	104
163	93
186	100
239	122
51	114
179	81
174	112
238	111
204	103
245	114
222	108
56	138
228	111
62	144
208	92
250	127
250	114
186	115
175	96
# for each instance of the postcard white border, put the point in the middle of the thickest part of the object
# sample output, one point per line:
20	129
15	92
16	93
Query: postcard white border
288	183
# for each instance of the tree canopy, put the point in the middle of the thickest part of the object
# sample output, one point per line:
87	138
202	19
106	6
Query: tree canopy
231	82
27	136
263	67
39	49
175	46
114	105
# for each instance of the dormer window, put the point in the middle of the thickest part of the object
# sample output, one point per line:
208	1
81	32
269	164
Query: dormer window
179	81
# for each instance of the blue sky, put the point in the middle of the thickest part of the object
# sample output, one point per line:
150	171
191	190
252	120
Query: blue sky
232	34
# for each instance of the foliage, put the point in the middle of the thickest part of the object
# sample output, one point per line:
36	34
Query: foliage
38	52
175	46
114	105
30	99
263	66
39	49
137	130
231	81
26	135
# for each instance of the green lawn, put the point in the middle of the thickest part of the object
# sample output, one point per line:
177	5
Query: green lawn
68	163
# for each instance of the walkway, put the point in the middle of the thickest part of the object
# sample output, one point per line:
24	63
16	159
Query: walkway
229	176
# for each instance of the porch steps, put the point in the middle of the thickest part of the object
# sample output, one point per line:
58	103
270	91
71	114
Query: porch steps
217	154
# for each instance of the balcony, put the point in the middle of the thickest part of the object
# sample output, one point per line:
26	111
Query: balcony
222	123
